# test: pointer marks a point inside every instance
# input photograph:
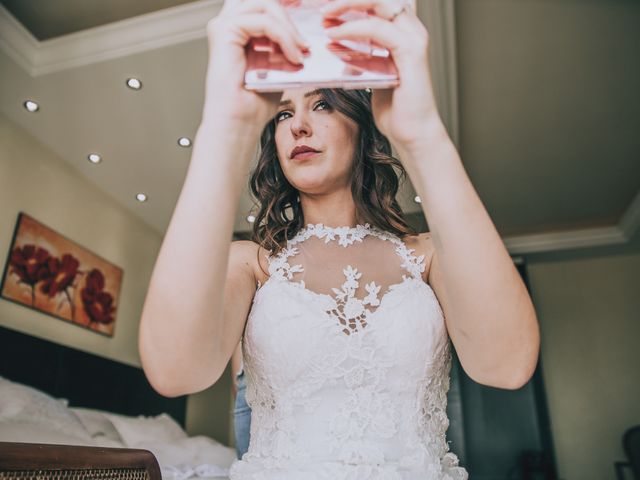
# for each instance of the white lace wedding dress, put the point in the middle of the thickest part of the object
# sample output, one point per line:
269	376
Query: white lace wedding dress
347	363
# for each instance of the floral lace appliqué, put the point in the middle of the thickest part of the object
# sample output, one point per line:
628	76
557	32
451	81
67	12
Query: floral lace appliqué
350	311
346	235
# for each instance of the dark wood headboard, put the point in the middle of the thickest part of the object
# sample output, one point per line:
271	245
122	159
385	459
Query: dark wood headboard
86	380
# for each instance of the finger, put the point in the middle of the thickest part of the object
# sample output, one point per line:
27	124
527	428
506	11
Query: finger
258	25
280	11
382	32
380	8
276	10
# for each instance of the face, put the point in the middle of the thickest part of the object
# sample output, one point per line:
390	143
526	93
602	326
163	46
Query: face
306	119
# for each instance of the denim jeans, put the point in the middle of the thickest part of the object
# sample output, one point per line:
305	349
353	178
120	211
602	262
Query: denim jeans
242	416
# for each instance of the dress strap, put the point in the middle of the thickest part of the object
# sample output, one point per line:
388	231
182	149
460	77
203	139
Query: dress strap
279	266
415	265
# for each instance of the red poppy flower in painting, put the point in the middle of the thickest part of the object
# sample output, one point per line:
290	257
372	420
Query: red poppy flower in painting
28	263
95	280
60	274
97	303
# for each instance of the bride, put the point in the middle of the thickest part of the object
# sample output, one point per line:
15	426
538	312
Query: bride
346	315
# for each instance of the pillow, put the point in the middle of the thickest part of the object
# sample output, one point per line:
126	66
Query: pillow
34	433
136	430
26	405
97	423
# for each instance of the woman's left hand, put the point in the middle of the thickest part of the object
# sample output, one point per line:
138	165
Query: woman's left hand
400	113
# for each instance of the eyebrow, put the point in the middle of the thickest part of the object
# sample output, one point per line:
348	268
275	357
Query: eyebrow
308	94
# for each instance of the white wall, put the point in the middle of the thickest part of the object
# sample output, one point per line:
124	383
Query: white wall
33	180
589	312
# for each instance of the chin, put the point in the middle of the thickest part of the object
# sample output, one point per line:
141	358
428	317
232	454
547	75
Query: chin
308	174
310	183
311	188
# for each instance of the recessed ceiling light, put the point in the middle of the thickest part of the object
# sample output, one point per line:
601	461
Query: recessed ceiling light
141	197
417	199
94	158
184	142
31	106
251	218
134	83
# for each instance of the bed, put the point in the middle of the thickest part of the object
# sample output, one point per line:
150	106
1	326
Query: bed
101	413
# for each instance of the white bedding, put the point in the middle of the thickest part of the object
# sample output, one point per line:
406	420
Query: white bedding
29	415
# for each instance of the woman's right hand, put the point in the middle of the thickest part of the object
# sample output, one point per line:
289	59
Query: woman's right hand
228	33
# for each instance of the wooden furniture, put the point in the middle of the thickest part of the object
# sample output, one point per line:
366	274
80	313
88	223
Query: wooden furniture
35	461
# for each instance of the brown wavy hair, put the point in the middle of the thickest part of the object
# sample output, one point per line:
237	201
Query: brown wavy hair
374	181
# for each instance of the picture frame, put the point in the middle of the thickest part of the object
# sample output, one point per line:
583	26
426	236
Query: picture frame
54	275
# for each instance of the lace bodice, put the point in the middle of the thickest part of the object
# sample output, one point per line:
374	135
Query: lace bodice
347	363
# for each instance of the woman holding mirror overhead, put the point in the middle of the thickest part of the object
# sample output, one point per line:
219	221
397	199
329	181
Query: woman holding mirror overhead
346	314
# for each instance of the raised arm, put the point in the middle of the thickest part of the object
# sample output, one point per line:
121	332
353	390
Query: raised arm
489	315
202	285
182	334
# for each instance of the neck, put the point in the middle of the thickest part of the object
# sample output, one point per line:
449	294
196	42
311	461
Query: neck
333	210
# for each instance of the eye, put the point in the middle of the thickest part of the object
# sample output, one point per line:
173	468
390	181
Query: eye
279	115
321	103
325	105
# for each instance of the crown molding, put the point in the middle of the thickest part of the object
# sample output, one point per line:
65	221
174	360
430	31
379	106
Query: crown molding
589	237
154	30
630	221
16	41
554	241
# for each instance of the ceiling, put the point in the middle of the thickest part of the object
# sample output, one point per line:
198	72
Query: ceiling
45	19
541	97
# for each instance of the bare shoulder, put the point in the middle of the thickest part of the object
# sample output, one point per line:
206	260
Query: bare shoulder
250	255
422	244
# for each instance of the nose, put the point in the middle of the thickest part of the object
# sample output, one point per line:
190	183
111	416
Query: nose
300	125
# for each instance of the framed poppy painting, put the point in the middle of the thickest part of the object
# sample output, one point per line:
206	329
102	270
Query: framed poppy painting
47	272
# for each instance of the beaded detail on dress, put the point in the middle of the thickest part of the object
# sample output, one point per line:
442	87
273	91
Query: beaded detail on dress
347	363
